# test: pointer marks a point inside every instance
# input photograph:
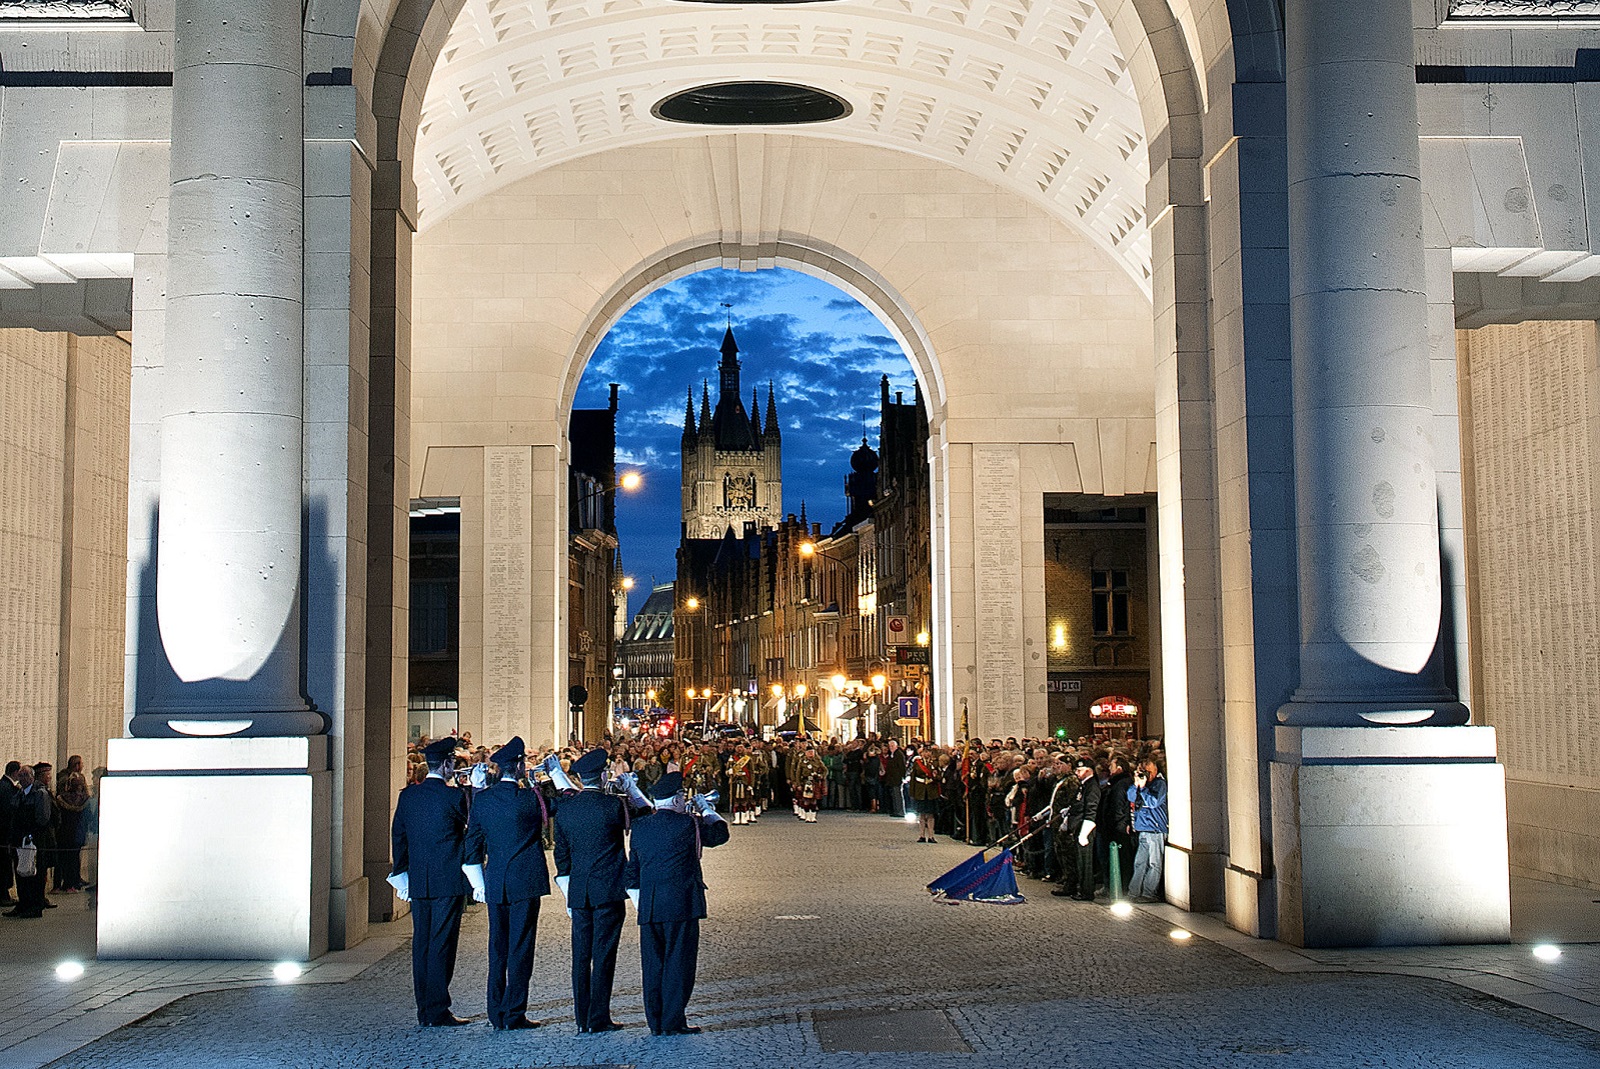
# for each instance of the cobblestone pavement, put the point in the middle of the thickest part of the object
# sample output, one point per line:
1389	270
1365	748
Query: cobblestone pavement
819	942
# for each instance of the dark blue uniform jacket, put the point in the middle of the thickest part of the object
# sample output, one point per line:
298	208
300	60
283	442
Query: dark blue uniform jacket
430	819
589	847
665	866
505	824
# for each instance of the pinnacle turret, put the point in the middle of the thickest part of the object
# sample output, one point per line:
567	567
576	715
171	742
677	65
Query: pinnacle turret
755	414
688	413
772	413
705	407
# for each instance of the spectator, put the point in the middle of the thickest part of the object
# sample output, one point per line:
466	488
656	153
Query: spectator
71	799
32	815
1147	798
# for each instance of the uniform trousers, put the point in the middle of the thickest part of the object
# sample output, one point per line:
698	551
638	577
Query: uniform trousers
668	954
512	928
596	931
435	932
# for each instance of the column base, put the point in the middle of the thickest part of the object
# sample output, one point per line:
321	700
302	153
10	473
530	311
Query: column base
1389	837
1427	711
215	848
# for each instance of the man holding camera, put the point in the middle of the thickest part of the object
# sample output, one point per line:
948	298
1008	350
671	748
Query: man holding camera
1148	800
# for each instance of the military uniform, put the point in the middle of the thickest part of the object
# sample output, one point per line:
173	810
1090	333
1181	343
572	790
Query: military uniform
430	821
810	779
590	855
506	827
664	871
741	788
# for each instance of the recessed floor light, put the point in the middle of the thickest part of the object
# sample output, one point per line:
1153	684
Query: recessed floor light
1181	934
286	971
1546	952
69	970
1122	909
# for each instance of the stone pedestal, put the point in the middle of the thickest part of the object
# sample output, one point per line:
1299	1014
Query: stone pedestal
1389	836
215	848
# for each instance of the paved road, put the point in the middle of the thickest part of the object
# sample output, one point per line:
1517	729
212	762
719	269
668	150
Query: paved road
823	950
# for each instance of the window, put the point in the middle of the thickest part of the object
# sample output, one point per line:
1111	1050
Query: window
1112	601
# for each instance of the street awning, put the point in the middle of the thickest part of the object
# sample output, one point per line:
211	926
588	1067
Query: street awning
718	706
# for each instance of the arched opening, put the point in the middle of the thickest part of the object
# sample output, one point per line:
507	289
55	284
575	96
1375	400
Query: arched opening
754	199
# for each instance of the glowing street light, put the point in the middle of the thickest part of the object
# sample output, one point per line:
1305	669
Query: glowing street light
880	681
631	480
839	682
691	604
627	582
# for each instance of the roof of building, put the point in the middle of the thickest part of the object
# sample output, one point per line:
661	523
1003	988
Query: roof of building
653	621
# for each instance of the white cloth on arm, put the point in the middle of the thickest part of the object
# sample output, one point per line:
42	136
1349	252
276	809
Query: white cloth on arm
401	882
633	896
475	878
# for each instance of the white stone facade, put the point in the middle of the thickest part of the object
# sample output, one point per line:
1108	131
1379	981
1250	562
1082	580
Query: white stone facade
1078	218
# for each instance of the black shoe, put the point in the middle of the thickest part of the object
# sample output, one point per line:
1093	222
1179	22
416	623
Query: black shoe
447	1020
1083	898
922	840
521	1023
1061	892
686	1030
609	1026
49	904
932	840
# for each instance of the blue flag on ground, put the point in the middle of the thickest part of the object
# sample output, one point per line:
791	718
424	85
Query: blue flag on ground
978	880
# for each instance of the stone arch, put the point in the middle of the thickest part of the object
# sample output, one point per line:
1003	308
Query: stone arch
815	258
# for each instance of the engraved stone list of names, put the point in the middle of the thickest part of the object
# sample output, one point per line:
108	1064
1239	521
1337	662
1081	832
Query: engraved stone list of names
507	592
997	524
1538	581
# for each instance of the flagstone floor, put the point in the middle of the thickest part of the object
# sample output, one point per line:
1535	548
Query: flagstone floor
823	950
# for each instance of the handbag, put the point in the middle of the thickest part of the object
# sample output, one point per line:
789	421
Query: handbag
27	858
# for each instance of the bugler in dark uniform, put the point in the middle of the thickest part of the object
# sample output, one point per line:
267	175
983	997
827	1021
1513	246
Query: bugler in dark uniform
590	856
665	878
506	824
430	820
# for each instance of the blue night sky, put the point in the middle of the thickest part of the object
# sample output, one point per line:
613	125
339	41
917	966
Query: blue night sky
823	351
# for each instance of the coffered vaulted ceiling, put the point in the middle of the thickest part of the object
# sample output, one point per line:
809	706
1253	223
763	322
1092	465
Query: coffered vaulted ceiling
1033	95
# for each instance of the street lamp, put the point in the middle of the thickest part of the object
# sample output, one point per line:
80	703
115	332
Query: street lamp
691	604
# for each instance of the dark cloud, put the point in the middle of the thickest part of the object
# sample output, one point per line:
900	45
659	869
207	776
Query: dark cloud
823	352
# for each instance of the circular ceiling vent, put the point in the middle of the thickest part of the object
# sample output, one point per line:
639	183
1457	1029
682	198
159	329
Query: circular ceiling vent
751	104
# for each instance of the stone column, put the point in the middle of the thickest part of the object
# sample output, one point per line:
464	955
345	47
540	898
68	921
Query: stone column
228	574
1367	521
1369	721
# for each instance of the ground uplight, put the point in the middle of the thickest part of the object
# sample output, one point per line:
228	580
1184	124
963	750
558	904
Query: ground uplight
1546	952
1122	909
69	970
1181	934
285	971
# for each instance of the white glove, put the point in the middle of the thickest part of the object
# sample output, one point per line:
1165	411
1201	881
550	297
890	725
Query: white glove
633	896
401	882
475	878
1085	832
561	882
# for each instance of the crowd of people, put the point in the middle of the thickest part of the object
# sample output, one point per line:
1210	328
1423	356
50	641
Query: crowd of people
45	825
1040	796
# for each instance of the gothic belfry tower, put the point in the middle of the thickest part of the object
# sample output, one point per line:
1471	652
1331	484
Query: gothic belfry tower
732	462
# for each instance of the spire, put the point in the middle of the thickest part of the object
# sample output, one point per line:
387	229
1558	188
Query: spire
803	523
730	348
688	412
772	412
755	414
883	392
705	407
